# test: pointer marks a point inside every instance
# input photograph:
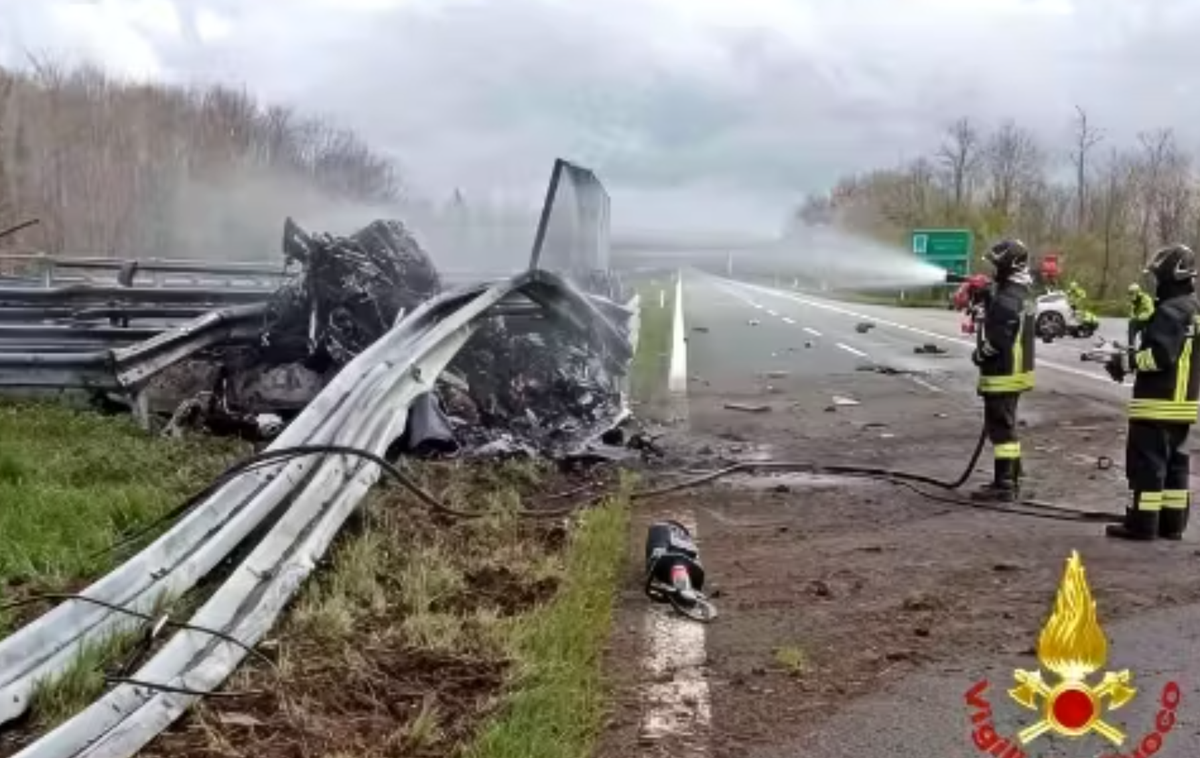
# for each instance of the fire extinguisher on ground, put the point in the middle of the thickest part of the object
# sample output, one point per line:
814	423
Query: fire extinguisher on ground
673	571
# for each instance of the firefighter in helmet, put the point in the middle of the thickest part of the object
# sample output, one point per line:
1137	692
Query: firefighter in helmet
1004	355
1141	308
1166	387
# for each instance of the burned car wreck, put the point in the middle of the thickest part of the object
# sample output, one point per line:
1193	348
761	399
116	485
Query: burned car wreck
529	381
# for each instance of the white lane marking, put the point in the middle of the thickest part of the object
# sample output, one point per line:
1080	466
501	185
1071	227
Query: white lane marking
788	320
677	374
772	313
851	350
756	305
812	331
923	383
676	702
904	327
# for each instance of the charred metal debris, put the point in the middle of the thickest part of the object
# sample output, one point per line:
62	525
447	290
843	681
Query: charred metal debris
529	382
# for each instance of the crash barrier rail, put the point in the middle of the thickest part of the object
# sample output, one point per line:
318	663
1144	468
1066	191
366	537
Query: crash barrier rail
365	406
124	369
50	270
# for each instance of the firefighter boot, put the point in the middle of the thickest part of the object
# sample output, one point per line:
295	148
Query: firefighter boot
1141	522
1173	520
1003	488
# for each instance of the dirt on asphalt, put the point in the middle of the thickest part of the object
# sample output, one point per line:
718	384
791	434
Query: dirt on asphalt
830	588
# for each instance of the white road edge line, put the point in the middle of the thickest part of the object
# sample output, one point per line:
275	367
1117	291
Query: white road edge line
812	331
851	350
923	383
677	374
676	702
904	327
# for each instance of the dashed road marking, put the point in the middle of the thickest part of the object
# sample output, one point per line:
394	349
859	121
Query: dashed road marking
905	327
772	313
676	707
788	320
851	350
812	331
923	383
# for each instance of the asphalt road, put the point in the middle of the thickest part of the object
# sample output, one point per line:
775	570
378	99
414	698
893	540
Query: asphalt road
924	714
814	335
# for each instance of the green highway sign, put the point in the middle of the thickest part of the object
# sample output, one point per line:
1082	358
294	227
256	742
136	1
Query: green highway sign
949	249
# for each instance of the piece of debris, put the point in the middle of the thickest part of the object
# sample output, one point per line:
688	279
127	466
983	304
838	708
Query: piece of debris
776	374
772	389
747	408
753	322
840	400
808	343
1104	463
701	329
863	327
929	349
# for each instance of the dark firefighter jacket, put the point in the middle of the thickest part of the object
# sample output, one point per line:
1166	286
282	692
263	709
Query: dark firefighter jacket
1005	342
1167	379
1141	307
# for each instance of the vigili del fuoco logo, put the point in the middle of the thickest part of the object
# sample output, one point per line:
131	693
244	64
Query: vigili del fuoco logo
1071	649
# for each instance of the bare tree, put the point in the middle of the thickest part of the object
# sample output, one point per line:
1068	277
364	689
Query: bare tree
1086	137
1011	158
1156	149
1118	189
959	156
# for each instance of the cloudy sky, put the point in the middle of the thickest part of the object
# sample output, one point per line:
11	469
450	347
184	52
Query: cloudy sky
704	114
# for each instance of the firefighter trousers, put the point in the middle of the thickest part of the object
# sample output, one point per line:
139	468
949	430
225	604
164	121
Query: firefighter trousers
1000	423
1135	328
1157	466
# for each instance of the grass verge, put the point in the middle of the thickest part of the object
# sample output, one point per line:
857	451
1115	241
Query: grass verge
480	638
653	358
72	482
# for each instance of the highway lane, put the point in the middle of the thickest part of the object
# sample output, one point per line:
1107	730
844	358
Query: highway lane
897	331
923	713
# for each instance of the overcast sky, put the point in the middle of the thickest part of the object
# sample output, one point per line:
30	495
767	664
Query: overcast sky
705	114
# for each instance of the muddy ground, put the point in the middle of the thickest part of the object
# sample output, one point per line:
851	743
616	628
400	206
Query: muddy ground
829	589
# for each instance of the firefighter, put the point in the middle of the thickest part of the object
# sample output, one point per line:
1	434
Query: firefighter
1164	404
1004	355
1141	307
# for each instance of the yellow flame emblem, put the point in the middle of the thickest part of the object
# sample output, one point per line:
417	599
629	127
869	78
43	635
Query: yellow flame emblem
1072	645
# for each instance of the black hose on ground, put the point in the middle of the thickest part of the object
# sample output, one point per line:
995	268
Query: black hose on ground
907	479
267	457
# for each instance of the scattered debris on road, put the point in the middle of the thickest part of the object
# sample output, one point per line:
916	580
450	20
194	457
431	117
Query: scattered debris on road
929	349
842	400
753	322
776	374
747	407
864	326
701	329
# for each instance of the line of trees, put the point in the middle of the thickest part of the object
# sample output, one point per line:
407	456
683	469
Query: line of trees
115	168
1104	207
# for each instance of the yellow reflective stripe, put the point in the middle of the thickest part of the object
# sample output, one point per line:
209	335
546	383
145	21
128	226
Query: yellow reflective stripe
1012	383
1183	372
1007	451
1175	499
1150	501
1144	360
1164	410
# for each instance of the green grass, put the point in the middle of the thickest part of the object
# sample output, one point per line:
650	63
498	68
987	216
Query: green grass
559	701
72	482
653	358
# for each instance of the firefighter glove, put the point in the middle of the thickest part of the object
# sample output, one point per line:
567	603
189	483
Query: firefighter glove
1120	365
